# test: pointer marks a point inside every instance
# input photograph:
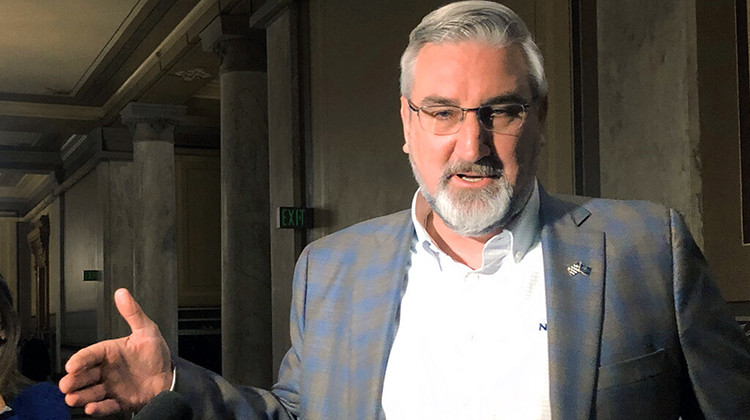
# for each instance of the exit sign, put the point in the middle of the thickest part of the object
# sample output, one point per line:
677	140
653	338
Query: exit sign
92	275
294	218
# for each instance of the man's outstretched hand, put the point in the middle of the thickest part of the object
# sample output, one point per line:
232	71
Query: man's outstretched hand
121	374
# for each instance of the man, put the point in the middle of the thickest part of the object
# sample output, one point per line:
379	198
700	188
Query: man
490	298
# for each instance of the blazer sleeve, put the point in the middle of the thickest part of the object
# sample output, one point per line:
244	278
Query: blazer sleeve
213	397
715	349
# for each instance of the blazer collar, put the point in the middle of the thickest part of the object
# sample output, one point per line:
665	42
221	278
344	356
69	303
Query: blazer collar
574	304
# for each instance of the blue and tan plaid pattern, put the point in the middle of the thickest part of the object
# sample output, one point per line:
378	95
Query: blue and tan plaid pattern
644	334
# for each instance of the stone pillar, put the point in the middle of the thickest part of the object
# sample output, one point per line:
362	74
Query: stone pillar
245	266
155	246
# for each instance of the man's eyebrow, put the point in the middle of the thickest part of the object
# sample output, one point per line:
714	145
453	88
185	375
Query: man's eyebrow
438	100
511	98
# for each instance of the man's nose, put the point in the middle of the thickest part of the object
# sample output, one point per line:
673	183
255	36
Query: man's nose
472	140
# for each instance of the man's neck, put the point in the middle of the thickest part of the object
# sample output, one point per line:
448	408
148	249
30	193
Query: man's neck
464	249
467	250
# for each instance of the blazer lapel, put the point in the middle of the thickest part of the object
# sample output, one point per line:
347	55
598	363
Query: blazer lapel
574	305
376	298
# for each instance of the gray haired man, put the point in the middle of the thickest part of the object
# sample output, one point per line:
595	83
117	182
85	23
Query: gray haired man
488	298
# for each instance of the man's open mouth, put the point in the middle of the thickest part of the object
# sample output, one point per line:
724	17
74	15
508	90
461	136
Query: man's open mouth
475	177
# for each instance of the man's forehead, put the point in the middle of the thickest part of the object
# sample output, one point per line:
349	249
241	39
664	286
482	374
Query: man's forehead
496	70
511	48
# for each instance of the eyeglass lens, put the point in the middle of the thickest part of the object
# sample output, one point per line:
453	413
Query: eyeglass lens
447	119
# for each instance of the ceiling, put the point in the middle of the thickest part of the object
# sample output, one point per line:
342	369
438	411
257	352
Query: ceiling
67	68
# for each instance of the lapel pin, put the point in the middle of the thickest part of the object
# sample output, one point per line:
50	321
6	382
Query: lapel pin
579	268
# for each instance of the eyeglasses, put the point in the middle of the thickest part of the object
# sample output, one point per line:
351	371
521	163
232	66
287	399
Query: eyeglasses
443	120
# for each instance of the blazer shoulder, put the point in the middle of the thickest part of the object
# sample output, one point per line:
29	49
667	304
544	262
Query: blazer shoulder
611	212
393	227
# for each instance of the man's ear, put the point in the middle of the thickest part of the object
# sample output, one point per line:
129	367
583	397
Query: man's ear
405	119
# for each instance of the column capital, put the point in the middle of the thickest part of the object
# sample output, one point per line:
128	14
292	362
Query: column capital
239	47
152	122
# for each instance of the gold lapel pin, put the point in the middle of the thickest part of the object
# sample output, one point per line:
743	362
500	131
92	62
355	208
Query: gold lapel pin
579	268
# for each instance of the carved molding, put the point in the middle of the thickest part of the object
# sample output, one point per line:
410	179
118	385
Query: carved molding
39	241
193	74
153	122
238	47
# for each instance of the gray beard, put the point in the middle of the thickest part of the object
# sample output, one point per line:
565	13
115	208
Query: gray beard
474	212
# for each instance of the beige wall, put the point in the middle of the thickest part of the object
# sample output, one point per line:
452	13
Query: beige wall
83	243
552	29
719	136
669	121
198	230
648	107
357	169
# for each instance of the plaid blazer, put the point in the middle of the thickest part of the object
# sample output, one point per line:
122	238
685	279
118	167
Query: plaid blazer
644	334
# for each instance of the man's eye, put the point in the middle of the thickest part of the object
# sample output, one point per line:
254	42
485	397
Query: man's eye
507	112
441	113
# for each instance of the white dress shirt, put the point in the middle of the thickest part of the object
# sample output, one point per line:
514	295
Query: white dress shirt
472	344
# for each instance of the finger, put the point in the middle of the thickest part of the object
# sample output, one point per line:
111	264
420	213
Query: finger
131	310
86	358
102	408
67	384
81	379
86	396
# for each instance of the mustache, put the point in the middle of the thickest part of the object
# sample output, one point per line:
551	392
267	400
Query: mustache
483	167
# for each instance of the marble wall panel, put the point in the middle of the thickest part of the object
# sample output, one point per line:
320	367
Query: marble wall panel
648	105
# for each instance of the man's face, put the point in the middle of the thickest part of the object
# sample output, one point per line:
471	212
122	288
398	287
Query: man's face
475	180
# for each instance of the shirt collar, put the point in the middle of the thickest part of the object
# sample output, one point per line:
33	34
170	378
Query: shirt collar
523	231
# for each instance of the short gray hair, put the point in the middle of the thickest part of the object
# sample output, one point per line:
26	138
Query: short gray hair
483	21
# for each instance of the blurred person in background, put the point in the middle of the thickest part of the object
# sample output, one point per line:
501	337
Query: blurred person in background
20	397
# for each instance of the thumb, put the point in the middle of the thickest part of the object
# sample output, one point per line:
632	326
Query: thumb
130	310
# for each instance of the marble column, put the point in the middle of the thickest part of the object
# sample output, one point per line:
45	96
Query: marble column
245	215
155	247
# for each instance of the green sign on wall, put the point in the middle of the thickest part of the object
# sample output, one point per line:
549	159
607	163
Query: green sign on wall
293	218
92	275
